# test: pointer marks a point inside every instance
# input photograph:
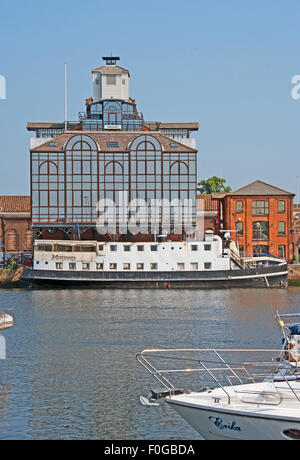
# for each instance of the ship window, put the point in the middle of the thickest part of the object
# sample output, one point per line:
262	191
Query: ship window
140	266
113	266
207	266
72	266
292	434
194	247
100	266
154	248
126	266
113	248
153	266
85	266
101	248
44	248
127	248
62	248
59	266
180	266
194	266
207	247
140	248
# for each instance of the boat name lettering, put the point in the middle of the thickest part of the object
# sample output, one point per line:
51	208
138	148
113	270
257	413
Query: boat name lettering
60	258
218	422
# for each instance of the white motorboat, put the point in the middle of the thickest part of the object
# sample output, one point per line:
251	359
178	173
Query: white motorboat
255	398
6	321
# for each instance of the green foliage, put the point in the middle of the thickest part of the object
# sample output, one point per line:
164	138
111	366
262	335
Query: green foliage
213	185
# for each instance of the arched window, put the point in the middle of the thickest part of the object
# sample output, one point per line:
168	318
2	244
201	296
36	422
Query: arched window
113	168
48	167
12	240
146	168
179	168
81	179
28	239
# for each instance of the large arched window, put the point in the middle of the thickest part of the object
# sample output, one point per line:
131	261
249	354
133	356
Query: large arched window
81	179
146	168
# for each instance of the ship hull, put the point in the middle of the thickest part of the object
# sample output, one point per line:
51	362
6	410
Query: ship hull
274	277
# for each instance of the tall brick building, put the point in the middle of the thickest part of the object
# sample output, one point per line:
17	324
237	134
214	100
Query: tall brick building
260	217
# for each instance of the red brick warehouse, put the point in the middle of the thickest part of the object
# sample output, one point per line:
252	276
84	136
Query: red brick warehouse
260	217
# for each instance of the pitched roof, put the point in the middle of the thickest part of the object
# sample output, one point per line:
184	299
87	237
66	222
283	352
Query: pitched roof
259	188
111	70
124	138
15	203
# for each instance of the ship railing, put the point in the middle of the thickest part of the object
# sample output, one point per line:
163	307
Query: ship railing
223	368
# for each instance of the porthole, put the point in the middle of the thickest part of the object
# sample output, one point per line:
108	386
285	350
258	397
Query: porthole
292	434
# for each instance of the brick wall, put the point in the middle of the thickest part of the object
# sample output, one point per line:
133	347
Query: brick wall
247	240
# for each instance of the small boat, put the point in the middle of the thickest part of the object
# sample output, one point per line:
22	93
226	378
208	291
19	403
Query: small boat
6	321
238	394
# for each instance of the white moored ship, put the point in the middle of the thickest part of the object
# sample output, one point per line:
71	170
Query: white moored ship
166	264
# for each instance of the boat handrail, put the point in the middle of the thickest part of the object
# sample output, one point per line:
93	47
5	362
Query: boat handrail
242	372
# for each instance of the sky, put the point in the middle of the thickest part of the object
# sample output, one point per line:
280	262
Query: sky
227	64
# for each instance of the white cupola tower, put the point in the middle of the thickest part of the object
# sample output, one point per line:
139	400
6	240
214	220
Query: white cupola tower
110	81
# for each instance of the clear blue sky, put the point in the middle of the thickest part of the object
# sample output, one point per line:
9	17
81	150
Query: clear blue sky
227	64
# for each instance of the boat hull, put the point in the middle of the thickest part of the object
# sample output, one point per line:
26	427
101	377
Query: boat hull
274	276
222	425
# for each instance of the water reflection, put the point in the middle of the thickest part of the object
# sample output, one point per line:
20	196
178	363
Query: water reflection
71	362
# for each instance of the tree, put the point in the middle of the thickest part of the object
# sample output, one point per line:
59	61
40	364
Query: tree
213	185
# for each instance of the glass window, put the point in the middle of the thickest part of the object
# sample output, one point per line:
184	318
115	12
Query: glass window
153	266
99	266
114	248
59	266
140	248
281	228
140	266
260	230
240	228
72	266
154	248
281	251
127	248
85	266
111	79
194	247
239	206
281	206
180	266
126	266
207	266
260	208
194	266
113	266
207	247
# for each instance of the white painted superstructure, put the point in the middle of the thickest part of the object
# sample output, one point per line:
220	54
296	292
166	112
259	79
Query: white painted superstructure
125	257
